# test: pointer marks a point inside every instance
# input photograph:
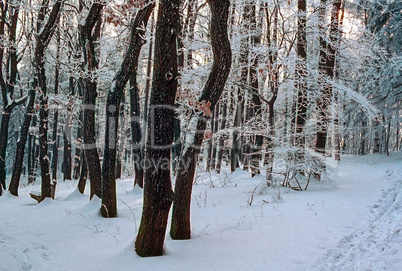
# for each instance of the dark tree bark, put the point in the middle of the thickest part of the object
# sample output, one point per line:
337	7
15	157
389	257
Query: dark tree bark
7	85
158	194
301	78
377	137
140	153
83	177
42	40
176	150
256	112
128	66
136	135
180	228
237	140
336	98
272	39
192	17
227	110
90	33
31	154
326	68
55	136
221	138
67	147
210	157
41	44
120	149
79	153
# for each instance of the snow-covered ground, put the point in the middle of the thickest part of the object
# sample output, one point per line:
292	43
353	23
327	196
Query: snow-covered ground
350	221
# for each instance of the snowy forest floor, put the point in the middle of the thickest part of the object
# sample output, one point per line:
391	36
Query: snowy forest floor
352	220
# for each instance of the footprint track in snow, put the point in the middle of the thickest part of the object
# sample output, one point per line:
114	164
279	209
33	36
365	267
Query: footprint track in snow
375	246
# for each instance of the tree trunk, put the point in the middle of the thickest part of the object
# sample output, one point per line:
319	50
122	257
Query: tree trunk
5	120
83	177
326	68
255	99
78	156
177	146
121	138
269	151
301	81
90	33
55	149
55	136
221	138
397	134
41	44
19	153
129	64
362	149
272	39
158	193
67	147
180	228
192	17
7	85
136	135
42	41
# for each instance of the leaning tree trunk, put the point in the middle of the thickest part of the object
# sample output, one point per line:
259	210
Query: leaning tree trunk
158	193
19	153
180	228
129	64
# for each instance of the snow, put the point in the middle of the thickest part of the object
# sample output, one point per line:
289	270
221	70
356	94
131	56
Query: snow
349	221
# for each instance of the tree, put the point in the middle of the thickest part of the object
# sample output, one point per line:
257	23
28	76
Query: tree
41	44
89	34
128	66
158	194
326	68
211	93
9	12
42	40
301	77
